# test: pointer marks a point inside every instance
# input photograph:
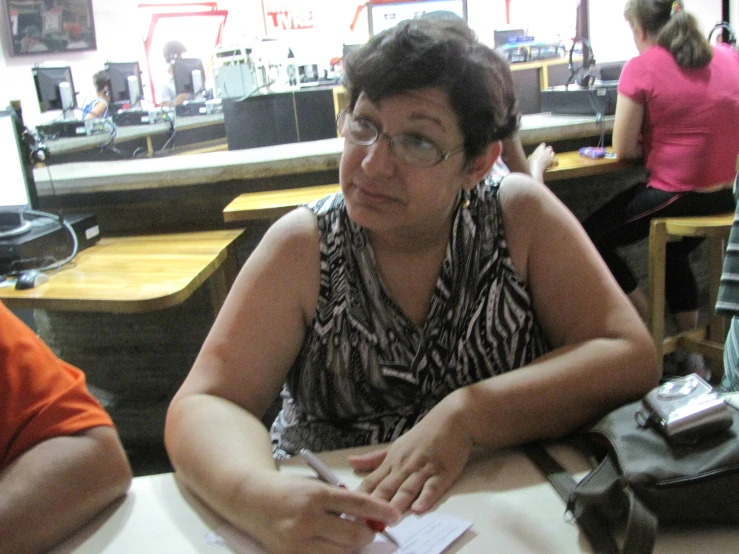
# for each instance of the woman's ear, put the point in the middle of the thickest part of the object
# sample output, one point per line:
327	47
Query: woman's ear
480	165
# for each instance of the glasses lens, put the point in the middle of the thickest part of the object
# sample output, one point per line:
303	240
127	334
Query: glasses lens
357	130
416	150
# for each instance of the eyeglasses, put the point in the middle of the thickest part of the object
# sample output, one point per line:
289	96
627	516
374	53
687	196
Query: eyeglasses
412	149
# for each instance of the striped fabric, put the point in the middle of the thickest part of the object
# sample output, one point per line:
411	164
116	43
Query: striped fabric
727	302
366	373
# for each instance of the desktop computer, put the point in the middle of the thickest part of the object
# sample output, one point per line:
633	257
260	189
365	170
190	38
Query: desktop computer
47	241
191	107
62	129
575	100
130	117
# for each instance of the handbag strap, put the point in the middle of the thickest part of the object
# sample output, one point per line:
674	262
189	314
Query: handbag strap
592	526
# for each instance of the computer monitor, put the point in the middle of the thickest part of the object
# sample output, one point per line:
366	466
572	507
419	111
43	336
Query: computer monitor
189	76
125	82
610	71
55	88
500	38
19	189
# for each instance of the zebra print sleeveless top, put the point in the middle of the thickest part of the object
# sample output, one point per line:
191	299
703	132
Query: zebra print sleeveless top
366	374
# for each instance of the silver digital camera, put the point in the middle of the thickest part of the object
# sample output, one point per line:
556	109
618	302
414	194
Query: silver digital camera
687	409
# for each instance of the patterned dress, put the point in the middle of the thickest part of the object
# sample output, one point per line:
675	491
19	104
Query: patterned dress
366	373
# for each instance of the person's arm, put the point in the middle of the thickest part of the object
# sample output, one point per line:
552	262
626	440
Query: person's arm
535	165
53	488
627	127
540	160
213	433
602	356
98	110
513	155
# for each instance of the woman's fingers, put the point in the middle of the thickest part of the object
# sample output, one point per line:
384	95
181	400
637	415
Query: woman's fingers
369	461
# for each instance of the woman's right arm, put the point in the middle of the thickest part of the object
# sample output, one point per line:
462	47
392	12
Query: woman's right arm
214	435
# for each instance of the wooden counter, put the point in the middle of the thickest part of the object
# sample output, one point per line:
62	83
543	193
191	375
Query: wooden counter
272	204
136	274
63	146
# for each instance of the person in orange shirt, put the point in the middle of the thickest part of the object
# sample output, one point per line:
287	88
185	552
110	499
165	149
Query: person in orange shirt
61	460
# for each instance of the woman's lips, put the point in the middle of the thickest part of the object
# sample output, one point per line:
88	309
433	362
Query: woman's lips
372	195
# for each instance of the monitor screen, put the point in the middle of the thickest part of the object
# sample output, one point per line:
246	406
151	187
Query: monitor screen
18	190
54	88
386	14
183	69
120	89
500	37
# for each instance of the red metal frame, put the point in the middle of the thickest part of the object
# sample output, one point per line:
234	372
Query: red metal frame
212	5
155	19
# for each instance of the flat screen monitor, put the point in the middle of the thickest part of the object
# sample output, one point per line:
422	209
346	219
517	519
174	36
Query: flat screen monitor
54	88
610	71
18	191
125	82
385	14
501	37
185	71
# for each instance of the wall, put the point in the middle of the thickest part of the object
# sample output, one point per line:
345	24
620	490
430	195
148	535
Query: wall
118	31
119	38
611	36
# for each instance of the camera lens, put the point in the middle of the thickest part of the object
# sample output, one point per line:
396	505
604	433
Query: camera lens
678	388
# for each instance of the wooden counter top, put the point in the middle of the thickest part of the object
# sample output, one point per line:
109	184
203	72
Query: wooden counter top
126	133
132	274
255	163
274	203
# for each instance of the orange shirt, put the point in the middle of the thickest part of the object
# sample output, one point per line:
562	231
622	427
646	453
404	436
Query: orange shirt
41	396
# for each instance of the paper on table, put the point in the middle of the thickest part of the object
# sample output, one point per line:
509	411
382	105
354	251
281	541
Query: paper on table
428	534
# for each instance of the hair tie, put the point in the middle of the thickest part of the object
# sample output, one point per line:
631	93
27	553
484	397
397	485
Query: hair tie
677	6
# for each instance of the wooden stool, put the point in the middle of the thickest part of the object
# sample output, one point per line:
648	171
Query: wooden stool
709	339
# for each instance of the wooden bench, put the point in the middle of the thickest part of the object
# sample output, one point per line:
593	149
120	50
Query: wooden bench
275	203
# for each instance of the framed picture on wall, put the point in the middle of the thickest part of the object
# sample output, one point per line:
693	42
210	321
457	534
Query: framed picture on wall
42	26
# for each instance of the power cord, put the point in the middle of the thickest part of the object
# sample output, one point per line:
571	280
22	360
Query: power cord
47	263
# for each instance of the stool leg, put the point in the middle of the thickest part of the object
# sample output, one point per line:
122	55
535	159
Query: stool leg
716	323
656	277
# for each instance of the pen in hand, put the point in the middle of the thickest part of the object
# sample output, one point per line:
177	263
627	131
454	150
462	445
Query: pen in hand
328	476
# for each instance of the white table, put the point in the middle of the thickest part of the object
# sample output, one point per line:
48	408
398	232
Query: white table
513	508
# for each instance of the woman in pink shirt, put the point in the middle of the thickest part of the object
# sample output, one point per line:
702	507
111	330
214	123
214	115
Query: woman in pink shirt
678	109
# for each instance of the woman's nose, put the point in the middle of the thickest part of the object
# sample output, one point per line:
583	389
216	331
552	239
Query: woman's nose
379	157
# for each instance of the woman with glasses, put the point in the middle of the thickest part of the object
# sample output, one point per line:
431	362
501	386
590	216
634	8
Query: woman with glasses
677	108
419	309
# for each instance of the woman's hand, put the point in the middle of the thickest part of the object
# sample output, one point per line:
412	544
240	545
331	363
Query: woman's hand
306	516
420	466
541	159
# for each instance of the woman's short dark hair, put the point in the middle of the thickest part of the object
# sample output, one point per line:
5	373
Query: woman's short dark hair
421	53
673	28
173	48
101	79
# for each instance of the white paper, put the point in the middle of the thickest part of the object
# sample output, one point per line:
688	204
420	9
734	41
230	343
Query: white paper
431	533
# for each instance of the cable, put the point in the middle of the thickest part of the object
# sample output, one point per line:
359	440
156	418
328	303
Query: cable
51	263
172	133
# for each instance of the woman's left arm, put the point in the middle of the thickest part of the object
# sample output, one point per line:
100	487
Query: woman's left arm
627	128
602	356
98	110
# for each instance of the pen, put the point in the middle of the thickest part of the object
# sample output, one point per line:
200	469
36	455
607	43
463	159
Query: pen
328	476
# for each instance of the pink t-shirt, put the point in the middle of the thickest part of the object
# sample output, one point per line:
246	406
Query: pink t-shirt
690	133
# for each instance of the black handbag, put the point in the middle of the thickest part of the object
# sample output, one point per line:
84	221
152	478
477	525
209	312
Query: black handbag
642	480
